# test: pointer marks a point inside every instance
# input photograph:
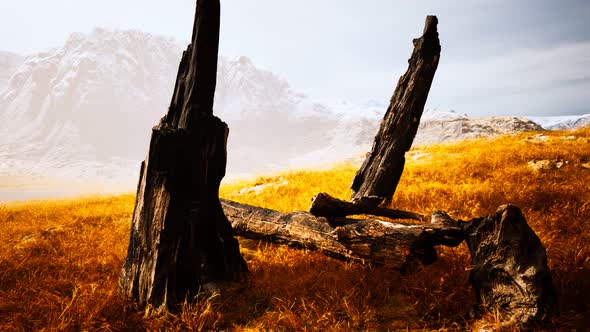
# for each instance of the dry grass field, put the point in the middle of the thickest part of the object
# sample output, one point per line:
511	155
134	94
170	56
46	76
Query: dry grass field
60	260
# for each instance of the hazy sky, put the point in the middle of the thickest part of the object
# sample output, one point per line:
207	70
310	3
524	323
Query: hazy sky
498	57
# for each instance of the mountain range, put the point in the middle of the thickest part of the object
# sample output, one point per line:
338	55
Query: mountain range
85	110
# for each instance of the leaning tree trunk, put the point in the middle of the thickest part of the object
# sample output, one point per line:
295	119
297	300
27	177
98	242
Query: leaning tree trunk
377	179
180	239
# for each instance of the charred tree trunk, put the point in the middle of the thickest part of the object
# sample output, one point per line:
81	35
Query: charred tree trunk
377	179
180	239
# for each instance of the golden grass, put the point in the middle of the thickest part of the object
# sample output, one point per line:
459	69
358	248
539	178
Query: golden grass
60	260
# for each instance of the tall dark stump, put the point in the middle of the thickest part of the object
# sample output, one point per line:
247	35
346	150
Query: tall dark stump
378	177
180	240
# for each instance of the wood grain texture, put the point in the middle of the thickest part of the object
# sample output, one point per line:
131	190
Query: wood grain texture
398	246
181	242
377	179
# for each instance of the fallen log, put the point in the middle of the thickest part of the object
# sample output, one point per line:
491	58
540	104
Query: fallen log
324	205
509	264
398	246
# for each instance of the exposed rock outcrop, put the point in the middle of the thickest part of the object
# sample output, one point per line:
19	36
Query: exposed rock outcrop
449	130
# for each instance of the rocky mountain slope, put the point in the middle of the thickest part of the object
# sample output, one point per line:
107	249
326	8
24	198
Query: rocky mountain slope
91	104
451	126
562	122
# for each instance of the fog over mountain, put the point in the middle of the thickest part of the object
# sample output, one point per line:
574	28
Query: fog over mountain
85	111
8	64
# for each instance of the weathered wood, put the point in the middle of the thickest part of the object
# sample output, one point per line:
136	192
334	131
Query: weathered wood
509	266
324	205
398	246
180	239
378	177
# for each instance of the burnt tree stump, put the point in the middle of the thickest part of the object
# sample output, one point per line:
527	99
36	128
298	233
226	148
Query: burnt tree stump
376	180
181	241
378	177
509	266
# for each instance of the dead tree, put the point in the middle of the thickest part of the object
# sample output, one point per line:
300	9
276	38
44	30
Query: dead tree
509	262
378	177
401	247
180	239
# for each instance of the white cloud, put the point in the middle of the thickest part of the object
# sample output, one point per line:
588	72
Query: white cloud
521	81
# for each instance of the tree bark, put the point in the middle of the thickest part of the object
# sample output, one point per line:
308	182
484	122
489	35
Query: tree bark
378	177
509	267
180	239
398	246
324	205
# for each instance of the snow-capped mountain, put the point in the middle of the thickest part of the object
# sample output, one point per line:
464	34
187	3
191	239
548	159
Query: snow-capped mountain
448	129
96	96
562	122
354	134
438	114
87	108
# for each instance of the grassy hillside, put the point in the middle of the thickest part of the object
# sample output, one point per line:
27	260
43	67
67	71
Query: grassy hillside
60	260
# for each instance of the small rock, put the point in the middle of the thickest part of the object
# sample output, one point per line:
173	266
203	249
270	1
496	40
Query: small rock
585	165
417	155
261	187
545	165
568	138
539	138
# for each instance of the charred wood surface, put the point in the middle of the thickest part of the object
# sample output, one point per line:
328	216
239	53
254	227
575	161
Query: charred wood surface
378	177
180	239
324	205
398	246
509	266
